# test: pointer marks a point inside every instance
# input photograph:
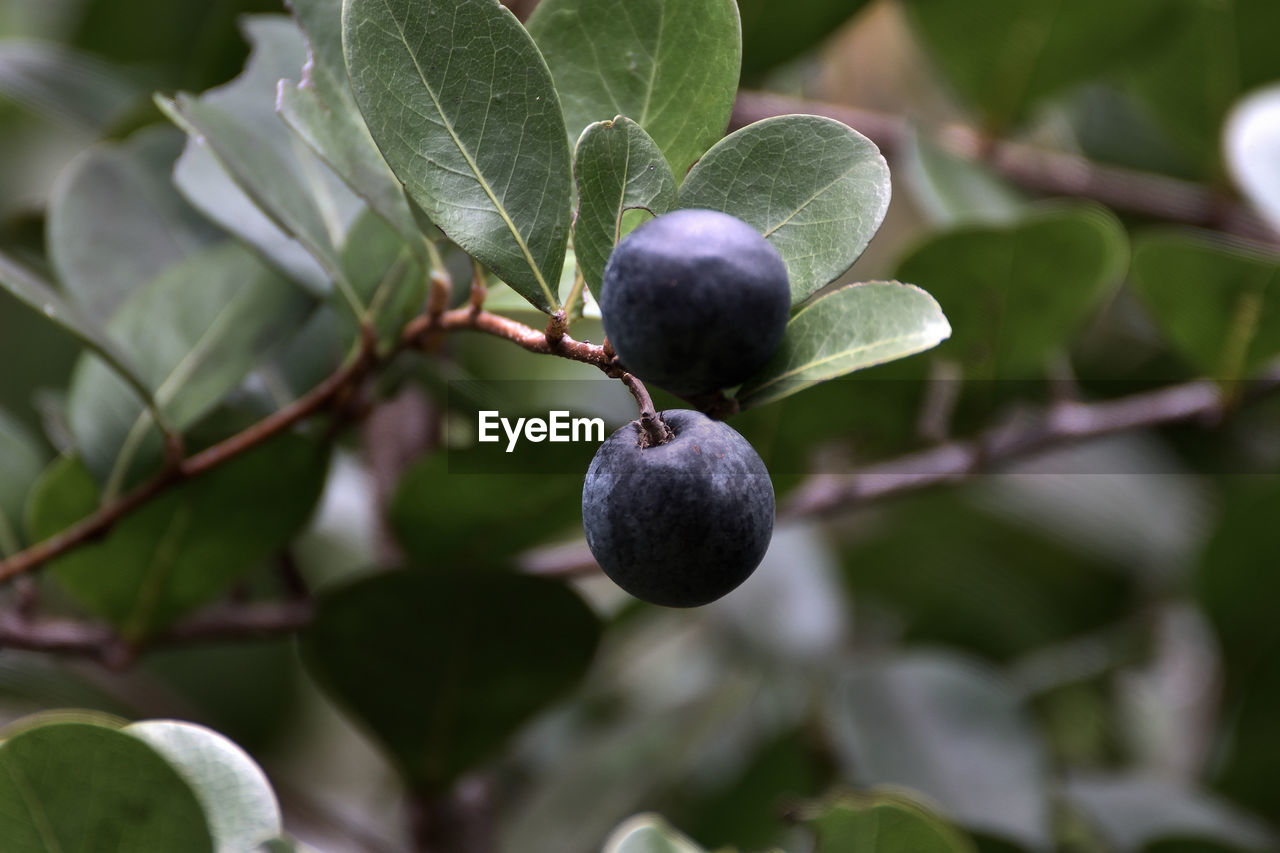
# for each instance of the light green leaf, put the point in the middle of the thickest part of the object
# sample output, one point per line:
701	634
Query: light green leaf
115	220
65	85
882	822
386	276
670	67
952	190
463	108
443	667
21	459
857	326
952	730
1009	55
323	111
618	168
187	545
1015	294
39	296
68	787
237	799
1217	302
815	188
241	157
648	833
1252	145
195	332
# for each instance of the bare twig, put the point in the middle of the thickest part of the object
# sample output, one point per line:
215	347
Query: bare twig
1037	169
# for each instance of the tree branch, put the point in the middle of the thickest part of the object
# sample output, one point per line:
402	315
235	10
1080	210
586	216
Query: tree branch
1034	168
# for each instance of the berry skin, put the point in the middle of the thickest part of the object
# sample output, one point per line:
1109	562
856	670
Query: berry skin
680	523
694	301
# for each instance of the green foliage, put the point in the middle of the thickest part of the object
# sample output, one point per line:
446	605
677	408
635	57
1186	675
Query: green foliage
883	823
21	460
816	189
444	667
773	32
648	834
670	67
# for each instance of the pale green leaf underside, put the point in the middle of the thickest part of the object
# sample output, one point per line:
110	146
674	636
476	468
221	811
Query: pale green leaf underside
462	106
618	168
815	188
857	326
671	65
648	833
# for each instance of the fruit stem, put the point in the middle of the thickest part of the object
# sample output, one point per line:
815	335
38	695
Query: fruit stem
653	431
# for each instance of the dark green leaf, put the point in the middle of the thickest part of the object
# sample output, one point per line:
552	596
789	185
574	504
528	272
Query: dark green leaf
238	803
671	67
648	833
882	822
815	188
1217	302
65	85
74	787
189	544
1131	811
857	326
195	332
116	221
444	667
463	108
1016	294
322	109
618	168
952	730
1005	56
249	173
21	459
773	32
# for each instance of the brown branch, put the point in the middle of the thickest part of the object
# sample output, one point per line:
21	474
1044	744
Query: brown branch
1037	169
420	331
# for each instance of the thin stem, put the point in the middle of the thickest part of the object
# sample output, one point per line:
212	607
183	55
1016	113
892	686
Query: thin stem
572	305
653	430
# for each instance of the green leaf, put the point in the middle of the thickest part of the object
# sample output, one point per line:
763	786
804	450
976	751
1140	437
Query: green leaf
444	667
463	108
882	822
322	110
815	188
1131	811
952	730
39	296
186	546
73	787
385	275
618	168
670	67
773	33
249	173
237	799
1010	55
195	332
1214	53
115	220
60	83
648	833
1252	146
1016	294
857	326
1217	302
21	459
952	190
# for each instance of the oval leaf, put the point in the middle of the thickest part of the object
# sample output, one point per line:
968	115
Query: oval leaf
188	544
72	787
618	168
1252	143
671	67
463	108
1218	303
237	799
815	188
648	833
443	668
846	330
1016	294
882	822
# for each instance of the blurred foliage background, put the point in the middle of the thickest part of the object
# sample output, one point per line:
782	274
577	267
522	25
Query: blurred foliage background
1075	652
